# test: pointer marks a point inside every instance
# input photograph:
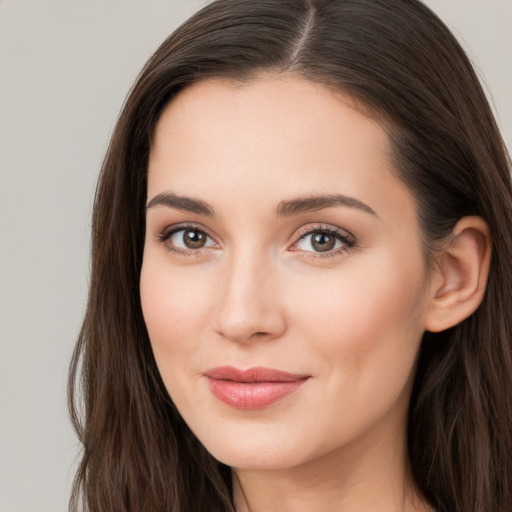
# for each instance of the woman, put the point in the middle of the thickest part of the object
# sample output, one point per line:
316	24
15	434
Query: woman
301	281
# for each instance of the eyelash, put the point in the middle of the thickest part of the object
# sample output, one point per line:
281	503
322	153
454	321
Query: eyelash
346	238
168	232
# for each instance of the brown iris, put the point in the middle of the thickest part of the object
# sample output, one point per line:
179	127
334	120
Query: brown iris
194	239
322	241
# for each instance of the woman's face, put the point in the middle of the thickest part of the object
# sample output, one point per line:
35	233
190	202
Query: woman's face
283	285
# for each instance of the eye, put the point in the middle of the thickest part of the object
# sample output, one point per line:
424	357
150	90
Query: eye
324	240
182	239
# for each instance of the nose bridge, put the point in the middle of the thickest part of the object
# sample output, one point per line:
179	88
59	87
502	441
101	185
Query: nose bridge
249	300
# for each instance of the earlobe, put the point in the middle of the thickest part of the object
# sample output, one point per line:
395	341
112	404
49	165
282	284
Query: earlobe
460	279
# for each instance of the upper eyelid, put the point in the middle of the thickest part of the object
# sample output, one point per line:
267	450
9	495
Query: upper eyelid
174	228
302	232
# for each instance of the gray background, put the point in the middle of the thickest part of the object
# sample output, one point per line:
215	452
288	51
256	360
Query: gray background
65	67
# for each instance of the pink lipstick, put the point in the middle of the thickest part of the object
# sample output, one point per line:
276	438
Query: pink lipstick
254	388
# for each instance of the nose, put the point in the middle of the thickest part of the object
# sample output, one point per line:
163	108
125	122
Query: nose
249	305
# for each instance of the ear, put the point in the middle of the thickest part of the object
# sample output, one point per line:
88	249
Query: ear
460	277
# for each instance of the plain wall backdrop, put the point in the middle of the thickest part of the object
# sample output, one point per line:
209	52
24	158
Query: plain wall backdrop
65	68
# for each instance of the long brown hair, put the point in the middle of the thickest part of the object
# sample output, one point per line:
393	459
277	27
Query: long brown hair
397	59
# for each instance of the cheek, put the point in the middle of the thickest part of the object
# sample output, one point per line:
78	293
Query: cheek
176	308
367	322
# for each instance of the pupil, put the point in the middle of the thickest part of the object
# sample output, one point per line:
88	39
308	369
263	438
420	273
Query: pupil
194	239
322	241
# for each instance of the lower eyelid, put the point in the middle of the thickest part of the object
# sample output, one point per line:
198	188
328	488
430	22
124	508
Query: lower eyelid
183	252
315	256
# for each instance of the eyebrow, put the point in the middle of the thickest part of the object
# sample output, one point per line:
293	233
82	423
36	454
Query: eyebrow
314	203
284	208
187	204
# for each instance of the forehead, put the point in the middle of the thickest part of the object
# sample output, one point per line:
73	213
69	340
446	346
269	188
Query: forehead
298	106
275	136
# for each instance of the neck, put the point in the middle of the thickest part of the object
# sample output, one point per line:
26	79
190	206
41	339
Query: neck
354	478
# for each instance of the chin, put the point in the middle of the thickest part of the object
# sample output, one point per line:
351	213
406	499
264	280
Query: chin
252	450
266	460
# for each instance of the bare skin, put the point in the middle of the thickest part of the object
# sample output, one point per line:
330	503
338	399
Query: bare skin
238	271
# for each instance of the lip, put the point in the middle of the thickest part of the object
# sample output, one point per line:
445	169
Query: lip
254	388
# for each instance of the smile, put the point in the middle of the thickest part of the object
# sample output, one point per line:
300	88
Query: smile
254	388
